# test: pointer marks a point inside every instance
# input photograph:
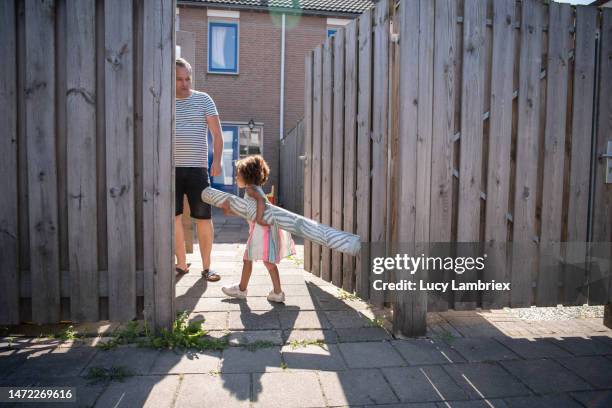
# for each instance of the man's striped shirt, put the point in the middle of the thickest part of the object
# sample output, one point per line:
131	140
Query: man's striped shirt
191	144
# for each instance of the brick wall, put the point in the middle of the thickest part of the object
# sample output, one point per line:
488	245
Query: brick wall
255	91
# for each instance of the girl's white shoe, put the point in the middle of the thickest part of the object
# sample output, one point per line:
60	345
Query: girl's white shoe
276	297
234	291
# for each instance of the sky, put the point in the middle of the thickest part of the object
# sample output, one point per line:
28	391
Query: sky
574	1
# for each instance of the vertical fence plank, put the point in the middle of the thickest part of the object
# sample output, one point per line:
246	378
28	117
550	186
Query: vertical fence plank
602	215
560	22
441	144
158	175
424	134
602	199
350	148
101	153
338	151
580	158
411	306
42	170
317	110
472	94
60	129
380	112
500	141
120	159
424	120
363	192
141	239
299	185
524	256
81	106
326	149
582	122
9	261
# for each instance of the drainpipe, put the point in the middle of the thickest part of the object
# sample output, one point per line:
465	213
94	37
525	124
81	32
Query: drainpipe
282	80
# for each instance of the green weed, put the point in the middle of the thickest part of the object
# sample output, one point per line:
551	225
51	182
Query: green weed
101	374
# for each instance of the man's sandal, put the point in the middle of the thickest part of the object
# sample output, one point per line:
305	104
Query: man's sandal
210	275
183	271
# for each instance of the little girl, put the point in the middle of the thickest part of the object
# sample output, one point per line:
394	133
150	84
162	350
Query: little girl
266	242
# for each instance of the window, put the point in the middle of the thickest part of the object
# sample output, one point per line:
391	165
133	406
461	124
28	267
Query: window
223	47
178	51
331	31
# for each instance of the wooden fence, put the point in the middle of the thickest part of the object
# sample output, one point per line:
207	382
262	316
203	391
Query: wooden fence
86	210
460	121
291	180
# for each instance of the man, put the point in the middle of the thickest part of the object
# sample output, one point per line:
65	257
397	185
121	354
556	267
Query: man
196	112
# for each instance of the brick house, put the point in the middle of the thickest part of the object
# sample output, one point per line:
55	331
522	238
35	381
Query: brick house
235	48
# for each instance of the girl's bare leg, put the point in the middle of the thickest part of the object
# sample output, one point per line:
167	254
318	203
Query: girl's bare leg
273	270
247	268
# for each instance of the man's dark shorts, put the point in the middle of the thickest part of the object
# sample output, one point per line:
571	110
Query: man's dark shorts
191	181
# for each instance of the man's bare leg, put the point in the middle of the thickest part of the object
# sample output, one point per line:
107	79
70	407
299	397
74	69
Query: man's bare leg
179	243
206	233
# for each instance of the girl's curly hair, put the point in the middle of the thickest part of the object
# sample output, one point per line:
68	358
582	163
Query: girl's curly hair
253	169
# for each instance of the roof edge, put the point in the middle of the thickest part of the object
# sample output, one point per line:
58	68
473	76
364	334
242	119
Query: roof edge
321	13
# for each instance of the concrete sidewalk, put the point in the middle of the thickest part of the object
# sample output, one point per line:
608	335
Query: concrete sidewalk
323	348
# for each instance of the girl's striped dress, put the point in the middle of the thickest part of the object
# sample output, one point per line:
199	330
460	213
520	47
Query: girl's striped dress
270	243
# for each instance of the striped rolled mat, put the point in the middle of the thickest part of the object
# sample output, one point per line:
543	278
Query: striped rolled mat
295	224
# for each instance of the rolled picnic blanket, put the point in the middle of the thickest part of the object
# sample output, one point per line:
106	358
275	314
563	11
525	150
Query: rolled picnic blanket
296	224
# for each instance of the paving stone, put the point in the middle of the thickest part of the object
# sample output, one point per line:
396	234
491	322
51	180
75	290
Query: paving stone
363	334
497	403
59	362
21	342
406	405
486	380
148	391
416	384
295	303
243	360
594	399
241	338
313	357
11	360
583	347
356	387
254	320
303	320
299	389
536	348
202	305
604	339
175	362
137	360
327	336
299	303
212	320
290	290
479	350
545	376
285	280
597	370
426	351
329	303
546	401
224	390
347	319
370	355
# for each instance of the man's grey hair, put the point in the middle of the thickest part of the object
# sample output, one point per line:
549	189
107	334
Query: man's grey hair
181	62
